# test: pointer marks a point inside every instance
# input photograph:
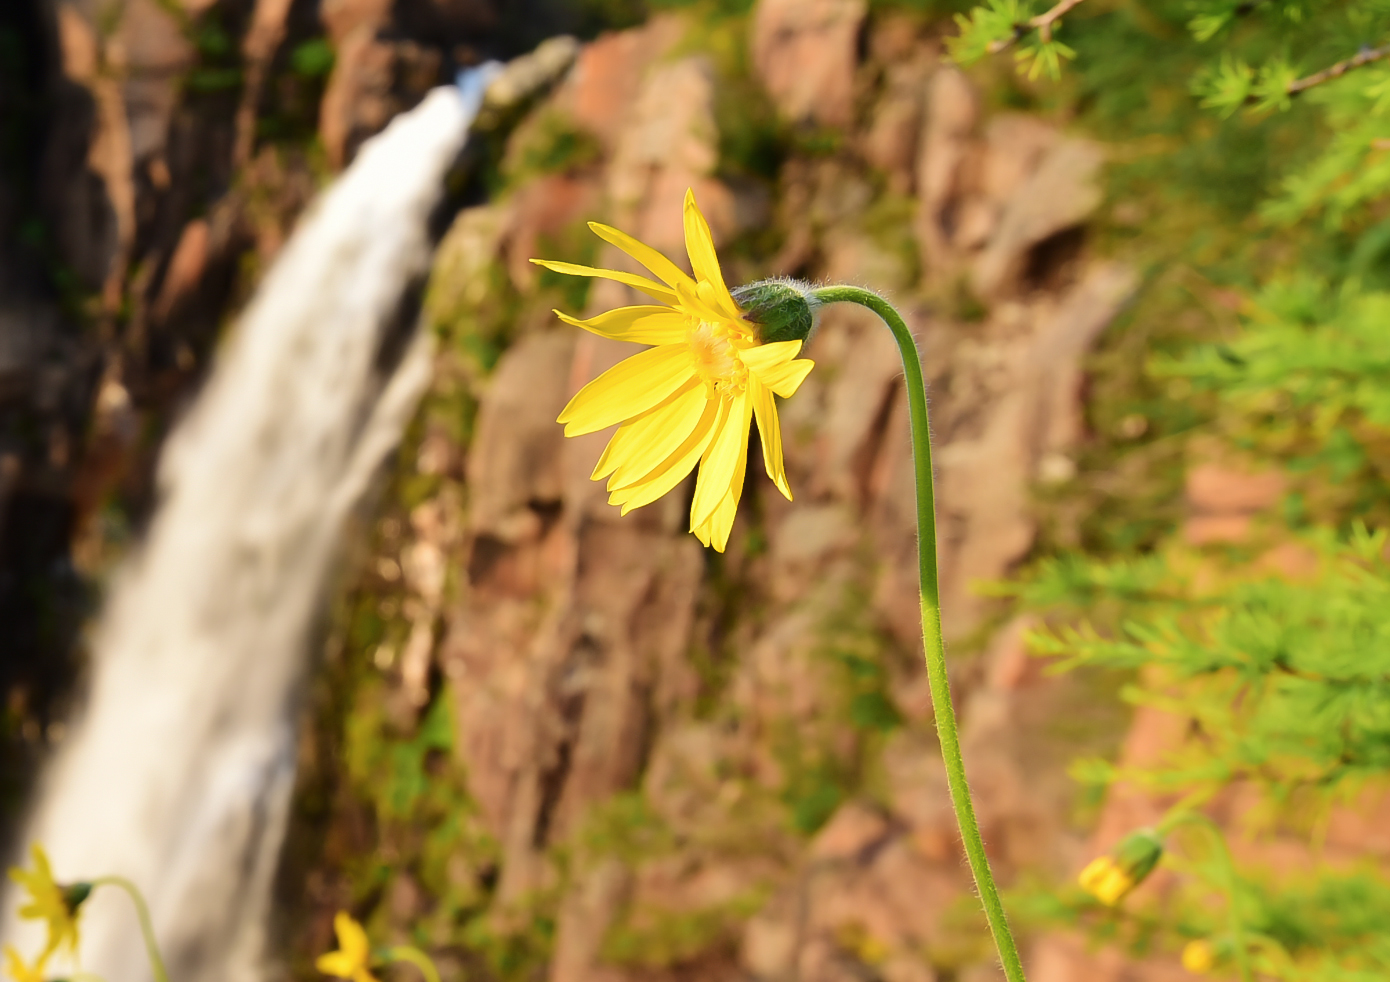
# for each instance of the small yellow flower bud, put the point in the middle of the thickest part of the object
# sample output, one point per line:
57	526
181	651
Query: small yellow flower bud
1198	957
1105	881
1109	878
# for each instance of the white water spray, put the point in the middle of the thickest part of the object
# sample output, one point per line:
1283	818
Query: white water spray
179	772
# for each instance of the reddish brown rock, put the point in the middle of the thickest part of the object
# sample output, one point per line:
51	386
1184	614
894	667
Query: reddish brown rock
805	52
1058	196
852	830
892	138
952	114
514	468
668	143
608	74
1223	500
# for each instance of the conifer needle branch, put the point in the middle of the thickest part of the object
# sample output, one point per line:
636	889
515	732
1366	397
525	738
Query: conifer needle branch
1228	869
1043	24
1363	57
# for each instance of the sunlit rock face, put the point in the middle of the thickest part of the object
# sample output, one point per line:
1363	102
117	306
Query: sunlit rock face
729	715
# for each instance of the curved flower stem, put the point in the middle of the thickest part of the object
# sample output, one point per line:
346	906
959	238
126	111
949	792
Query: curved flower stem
416	957
933	646
1228	869
142	911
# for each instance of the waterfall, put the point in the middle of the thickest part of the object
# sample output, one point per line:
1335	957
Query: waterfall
178	771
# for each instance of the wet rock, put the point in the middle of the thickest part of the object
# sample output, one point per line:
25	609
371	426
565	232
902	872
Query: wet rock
805	52
373	80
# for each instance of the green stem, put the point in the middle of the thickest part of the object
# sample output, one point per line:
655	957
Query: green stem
142	911
933	645
1228	869
416	957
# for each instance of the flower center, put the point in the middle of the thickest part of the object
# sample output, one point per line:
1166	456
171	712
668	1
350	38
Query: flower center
716	359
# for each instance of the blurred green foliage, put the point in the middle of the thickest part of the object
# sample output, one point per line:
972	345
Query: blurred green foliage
1257	185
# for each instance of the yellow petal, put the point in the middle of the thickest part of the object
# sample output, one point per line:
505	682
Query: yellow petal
643	325
628	389
650	288
660	266
676	467
691	301
769	357
783	379
721	458
335	963
641	445
715	530
719	298
765	410
352	938
699	243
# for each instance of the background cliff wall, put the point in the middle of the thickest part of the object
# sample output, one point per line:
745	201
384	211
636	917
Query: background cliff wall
575	745
546	741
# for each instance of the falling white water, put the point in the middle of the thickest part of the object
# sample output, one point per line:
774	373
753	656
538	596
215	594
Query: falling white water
178	773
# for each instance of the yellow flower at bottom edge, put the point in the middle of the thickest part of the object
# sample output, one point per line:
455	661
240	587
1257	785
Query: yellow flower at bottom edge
20	970
351	959
1198	957
48	902
693	396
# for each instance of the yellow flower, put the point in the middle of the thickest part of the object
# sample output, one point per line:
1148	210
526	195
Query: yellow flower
692	397
47	902
1103	879
351	959
1109	878
21	971
1198	958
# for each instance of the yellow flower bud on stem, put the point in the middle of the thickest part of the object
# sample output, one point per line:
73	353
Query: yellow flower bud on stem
1108	878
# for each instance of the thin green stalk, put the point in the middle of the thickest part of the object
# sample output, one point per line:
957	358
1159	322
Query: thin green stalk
142	911
1228	869
932	643
416	957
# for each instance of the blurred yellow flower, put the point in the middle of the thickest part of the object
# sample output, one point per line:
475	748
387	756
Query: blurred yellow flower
20	970
1198	958
690	398
351	959
48	902
1105	880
